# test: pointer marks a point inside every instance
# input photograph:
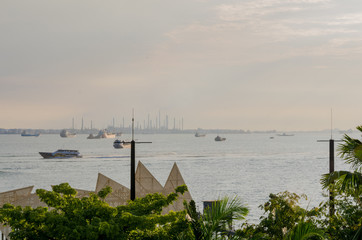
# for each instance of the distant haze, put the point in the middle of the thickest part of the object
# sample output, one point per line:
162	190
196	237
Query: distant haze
253	64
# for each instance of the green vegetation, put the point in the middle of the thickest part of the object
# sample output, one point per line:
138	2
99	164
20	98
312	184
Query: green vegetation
216	222
346	187
284	219
69	217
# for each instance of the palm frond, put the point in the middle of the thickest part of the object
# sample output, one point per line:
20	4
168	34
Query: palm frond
226	209
359	128
358	234
303	231
351	151
343	181
218	219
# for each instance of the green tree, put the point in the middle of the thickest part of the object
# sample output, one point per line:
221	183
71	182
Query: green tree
347	182
345	222
216	222
282	214
346	187
305	230
69	217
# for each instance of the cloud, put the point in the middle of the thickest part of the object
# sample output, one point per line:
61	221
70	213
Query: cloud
252	10
262	31
215	60
349	19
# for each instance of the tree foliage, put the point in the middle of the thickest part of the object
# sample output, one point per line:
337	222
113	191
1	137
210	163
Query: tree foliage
282	215
216	221
346	187
346	220
69	217
345	182
304	230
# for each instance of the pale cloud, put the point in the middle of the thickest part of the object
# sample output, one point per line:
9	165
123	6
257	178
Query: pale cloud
222	63
234	13
252	10
253	26
349	19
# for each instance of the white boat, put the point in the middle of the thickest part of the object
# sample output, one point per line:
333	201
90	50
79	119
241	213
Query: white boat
218	139
65	134
199	134
61	153
107	134
285	135
25	134
121	144
102	134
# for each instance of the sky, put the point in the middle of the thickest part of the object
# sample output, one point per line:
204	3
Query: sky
217	64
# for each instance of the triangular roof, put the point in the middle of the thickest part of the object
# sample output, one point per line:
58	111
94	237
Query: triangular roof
82	193
32	200
119	195
174	180
145	182
14	195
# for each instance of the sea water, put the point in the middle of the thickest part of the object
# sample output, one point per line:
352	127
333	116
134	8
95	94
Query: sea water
250	166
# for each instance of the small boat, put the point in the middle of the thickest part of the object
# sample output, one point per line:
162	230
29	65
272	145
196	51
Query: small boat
107	134
102	134
285	135
91	136
61	153
121	144
199	135
218	139
65	134
25	134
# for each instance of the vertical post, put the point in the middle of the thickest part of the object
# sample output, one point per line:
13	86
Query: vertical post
133	169
331	155
133	162
331	170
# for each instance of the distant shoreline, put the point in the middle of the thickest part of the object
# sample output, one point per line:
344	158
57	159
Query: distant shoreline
15	131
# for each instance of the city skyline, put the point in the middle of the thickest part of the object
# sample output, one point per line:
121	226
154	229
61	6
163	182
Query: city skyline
254	64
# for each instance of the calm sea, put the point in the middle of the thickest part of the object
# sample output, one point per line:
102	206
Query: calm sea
247	165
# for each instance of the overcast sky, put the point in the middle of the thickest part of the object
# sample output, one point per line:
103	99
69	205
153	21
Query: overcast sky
248	64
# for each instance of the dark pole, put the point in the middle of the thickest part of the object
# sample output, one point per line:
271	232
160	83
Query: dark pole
331	170
331	155
133	170
331	166
133	162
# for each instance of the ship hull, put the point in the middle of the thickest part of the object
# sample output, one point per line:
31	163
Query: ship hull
60	154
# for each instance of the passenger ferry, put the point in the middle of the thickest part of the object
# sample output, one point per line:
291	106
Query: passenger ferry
61	153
